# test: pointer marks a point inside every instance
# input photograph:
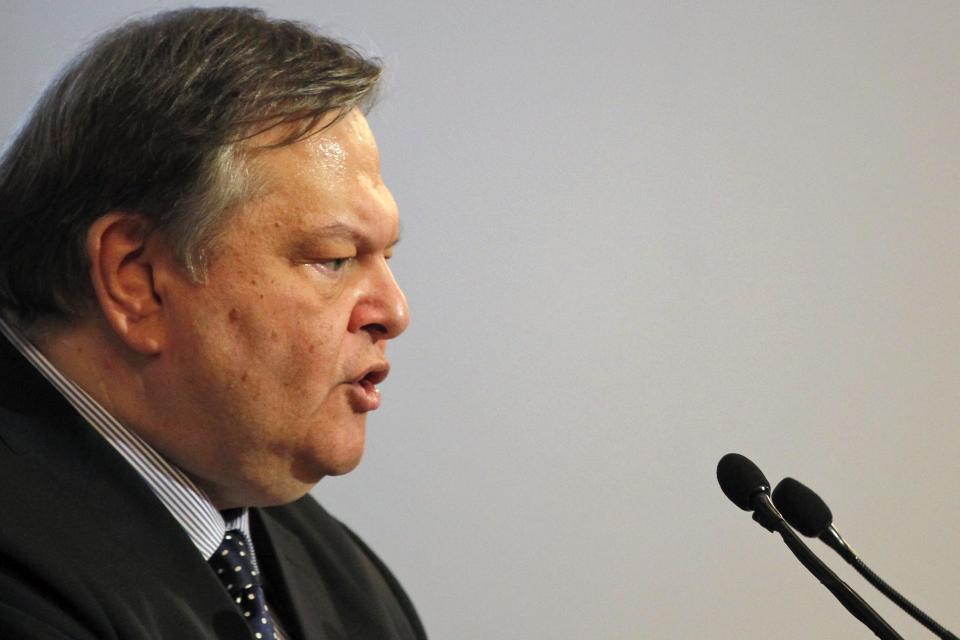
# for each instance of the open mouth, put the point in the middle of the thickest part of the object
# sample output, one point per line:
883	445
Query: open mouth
365	396
374	376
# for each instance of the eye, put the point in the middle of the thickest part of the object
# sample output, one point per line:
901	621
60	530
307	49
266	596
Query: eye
332	266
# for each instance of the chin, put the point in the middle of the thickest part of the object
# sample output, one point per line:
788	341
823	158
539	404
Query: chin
344	467
335	459
291	480
340	461
341	454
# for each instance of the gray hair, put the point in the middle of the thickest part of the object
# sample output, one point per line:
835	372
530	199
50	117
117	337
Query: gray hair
152	119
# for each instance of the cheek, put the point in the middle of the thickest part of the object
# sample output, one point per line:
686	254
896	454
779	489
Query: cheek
285	337
300	349
315	354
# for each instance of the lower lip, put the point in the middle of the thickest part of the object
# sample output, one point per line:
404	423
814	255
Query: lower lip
364	396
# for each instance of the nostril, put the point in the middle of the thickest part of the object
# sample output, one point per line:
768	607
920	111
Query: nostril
375	327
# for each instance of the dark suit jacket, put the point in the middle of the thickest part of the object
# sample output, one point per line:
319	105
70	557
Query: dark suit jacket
88	552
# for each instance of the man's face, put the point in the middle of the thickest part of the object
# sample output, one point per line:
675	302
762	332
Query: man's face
272	363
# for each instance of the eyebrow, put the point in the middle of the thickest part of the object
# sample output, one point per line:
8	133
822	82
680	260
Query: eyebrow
341	230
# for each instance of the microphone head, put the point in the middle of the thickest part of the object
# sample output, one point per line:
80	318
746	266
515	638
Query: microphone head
741	480
803	509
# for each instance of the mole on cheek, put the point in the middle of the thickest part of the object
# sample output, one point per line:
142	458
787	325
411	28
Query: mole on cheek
234	315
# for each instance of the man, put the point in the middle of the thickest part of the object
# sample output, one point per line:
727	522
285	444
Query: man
196	301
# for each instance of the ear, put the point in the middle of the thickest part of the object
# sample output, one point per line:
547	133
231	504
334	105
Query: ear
123	279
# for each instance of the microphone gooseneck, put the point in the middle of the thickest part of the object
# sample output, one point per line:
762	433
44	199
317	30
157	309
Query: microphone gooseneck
809	514
746	486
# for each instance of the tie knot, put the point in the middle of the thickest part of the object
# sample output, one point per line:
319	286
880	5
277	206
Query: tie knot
233	562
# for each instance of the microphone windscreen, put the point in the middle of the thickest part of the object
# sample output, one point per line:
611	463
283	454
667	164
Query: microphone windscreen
803	509
741	480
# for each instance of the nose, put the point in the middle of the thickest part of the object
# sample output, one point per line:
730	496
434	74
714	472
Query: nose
382	309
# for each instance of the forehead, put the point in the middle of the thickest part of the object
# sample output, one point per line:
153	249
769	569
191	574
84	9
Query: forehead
328	179
334	162
332	146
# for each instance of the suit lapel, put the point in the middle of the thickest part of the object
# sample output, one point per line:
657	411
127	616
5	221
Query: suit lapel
294	589
325	583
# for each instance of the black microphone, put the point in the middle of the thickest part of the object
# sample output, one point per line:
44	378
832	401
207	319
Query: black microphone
809	514
747	487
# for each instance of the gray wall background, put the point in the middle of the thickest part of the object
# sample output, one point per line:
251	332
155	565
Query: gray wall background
639	235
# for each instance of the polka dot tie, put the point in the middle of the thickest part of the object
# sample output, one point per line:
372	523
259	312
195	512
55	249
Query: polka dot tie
234	566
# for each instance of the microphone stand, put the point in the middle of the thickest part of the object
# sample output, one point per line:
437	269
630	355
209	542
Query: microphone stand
833	539
769	518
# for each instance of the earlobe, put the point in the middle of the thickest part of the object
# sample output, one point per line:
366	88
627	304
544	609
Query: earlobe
122	276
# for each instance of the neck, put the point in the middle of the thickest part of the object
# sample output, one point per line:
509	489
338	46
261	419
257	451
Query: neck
86	352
